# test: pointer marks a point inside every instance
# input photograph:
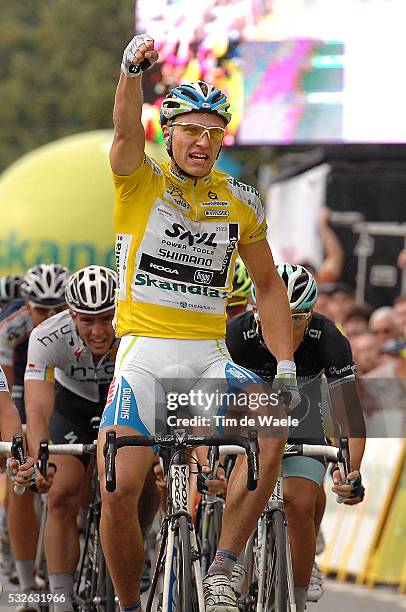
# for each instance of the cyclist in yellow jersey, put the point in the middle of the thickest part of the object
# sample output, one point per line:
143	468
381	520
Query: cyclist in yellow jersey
178	227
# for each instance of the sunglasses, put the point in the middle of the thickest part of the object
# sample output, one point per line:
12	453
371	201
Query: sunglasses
49	309
196	131
299	317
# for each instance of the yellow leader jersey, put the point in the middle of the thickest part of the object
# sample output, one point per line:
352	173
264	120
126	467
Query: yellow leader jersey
176	243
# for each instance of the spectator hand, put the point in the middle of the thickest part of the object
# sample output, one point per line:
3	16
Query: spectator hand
323	218
139	55
401	261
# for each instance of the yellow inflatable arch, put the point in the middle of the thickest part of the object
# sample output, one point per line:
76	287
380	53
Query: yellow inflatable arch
56	204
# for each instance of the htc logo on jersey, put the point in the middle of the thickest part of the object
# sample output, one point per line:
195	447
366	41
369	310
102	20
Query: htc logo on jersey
163	269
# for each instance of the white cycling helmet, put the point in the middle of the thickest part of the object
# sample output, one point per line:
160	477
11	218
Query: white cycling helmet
10	287
91	290
300	285
45	284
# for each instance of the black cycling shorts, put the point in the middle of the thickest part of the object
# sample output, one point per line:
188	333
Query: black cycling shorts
71	420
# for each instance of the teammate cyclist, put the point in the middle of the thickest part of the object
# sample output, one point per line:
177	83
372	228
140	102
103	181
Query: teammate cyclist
70	366
241	292
178	226
319	347
42	295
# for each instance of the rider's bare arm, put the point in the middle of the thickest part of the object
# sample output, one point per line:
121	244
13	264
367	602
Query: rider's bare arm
271	298
127	150
332	266
9	372
39	404
10	422
349	419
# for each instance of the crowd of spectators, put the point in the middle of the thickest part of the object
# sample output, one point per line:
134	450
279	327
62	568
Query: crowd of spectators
378	343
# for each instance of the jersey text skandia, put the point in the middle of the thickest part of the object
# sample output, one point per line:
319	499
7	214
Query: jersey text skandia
176	243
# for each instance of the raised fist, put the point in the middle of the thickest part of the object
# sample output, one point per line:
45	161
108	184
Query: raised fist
139	55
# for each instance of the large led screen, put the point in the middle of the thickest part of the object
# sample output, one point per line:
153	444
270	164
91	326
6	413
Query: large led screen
296	71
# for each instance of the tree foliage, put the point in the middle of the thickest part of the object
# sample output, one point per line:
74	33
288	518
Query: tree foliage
59	67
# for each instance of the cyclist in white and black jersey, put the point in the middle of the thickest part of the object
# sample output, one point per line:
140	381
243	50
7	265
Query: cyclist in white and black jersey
42	295
319	347
70	365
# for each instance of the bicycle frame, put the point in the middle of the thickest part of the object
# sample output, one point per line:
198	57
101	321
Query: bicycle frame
178	505
178	519
275	503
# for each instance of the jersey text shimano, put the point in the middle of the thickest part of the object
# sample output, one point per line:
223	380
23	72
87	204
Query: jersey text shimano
176	243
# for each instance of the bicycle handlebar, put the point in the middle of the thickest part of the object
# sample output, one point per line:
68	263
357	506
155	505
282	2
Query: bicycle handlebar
181	440
339	455
72	449
305	450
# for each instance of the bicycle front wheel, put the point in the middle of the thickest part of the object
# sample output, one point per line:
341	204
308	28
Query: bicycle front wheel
275	583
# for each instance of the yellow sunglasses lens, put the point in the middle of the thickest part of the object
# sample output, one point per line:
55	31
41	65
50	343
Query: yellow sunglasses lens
197	131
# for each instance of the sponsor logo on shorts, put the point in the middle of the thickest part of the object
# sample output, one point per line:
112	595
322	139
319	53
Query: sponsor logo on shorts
334	370
237	374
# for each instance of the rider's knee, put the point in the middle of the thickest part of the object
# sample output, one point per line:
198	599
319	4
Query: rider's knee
125	496
63	502
300	508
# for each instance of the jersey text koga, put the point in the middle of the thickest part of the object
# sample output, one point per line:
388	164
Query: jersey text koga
172	256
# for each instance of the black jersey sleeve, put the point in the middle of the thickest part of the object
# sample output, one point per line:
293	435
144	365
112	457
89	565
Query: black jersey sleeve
335	354
240	335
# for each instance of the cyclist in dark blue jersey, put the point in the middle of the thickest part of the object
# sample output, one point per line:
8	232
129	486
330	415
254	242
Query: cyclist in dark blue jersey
325	369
